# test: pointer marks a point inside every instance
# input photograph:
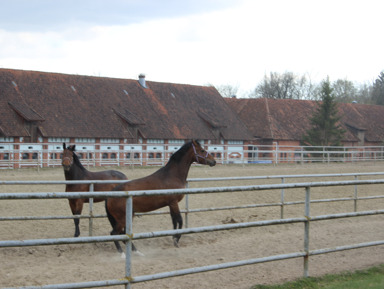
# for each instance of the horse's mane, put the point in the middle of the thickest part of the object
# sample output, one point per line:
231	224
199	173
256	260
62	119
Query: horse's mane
76	160
177	156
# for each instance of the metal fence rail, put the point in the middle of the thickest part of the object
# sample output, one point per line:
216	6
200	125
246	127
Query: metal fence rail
17	155
187	209
128	279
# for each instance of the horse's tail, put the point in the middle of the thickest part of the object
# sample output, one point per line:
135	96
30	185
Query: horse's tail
111	219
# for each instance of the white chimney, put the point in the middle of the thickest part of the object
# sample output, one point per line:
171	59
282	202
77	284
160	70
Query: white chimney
142	80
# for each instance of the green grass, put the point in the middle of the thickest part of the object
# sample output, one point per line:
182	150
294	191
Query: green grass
372	278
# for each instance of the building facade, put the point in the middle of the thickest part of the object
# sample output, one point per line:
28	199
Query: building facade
40	111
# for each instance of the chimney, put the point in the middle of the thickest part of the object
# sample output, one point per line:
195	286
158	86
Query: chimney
142	80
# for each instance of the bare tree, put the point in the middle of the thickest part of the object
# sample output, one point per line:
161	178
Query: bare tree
282	86
344	90
227	90
364	92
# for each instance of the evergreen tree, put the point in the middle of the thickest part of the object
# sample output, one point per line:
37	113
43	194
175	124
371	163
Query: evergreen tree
378	90
325	130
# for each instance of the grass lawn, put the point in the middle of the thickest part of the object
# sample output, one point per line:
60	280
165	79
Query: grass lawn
372	278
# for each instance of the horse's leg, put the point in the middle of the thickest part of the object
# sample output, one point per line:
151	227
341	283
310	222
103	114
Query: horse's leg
118	227
76	208
117	244
177	221
133	247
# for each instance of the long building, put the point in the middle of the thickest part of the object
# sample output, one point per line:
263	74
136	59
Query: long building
281	123
139	121
43	110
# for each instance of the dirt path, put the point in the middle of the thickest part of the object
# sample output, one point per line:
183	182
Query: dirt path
91	262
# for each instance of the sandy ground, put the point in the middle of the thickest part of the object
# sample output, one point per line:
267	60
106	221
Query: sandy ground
92	262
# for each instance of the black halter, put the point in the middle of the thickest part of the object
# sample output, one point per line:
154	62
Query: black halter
199	156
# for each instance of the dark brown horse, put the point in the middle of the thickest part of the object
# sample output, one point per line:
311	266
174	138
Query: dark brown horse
74	171
172	176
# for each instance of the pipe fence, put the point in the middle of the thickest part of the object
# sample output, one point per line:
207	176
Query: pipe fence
128	279
18	155
282	204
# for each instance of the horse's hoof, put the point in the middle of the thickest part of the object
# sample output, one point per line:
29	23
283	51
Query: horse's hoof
139	253
176	243
123	256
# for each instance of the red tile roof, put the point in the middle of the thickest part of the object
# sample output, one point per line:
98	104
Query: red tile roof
98	107
288	119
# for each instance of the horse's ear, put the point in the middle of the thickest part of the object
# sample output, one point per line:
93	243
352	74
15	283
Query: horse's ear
64	146
71	148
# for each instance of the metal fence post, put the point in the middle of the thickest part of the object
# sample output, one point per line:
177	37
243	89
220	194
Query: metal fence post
91	212
282	201
128	246
186	206
355	196
306	229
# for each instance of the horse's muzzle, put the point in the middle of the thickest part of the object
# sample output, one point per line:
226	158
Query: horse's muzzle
66	168
211	163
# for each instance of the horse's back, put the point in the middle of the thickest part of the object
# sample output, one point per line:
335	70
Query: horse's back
147	203
106	175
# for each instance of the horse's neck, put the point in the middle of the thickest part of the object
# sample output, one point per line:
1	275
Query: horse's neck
76	172
179	170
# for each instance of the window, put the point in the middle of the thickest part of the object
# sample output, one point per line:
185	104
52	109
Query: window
58	139
85	140
109	140
155	141
6	139
175	141
135	155
238	142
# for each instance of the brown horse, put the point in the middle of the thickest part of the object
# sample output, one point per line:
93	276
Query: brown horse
74	171
172	176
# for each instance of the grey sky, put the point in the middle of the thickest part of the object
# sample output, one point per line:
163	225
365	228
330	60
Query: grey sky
42	15
200	42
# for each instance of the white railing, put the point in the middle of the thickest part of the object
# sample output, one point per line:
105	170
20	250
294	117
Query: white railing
128	279
35	156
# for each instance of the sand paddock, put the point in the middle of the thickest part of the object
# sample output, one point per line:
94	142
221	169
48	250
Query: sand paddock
90	262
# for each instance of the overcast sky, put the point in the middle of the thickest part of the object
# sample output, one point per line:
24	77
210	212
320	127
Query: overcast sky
198	42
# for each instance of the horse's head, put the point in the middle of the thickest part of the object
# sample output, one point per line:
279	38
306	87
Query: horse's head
67	158
202	156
